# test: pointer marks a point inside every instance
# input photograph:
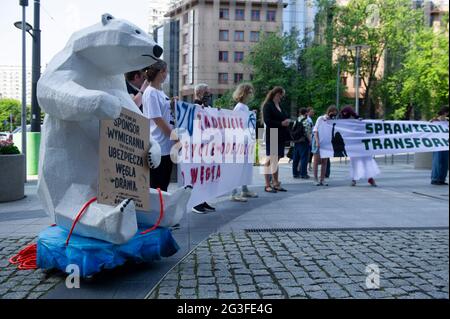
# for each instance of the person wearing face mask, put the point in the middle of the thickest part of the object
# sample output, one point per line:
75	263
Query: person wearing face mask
202	97
331	113
136	85
275	118
156	107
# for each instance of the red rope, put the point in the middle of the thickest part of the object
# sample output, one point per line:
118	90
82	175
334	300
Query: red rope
161	214
78	216
26	258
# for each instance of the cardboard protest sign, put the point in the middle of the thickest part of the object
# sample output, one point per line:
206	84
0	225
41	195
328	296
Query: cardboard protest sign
123	168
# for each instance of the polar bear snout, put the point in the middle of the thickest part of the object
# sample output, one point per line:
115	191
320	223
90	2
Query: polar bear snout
157	51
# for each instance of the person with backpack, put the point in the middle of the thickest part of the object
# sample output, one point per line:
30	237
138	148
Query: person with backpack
301	136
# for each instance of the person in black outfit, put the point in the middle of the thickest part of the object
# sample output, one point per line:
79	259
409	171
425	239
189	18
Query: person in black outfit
136	85
202	97
274	118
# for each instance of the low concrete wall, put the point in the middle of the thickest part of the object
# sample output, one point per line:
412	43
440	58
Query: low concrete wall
423	160
12	177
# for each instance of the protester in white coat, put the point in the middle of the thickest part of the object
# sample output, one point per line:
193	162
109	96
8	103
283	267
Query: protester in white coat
364	166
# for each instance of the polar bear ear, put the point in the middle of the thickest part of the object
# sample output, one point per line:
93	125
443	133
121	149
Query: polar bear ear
106	17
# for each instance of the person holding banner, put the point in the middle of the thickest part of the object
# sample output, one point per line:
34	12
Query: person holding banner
331	113
274	118
243	94
364	166
202	97
156	107
440	159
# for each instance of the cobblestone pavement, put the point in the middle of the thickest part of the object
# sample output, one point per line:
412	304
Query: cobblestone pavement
313	264
20	284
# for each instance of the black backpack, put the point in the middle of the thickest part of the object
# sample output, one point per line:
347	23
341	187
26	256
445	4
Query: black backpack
297	131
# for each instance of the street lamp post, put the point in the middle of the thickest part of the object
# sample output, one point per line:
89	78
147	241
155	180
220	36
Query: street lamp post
358	48
24	4
36	69
33	147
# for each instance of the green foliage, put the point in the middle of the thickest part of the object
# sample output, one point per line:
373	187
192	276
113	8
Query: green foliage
7	107
14	107
225	101
380	24
8	148
423	80
268	60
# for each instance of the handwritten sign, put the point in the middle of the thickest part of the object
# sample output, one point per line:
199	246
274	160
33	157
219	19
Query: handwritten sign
124	172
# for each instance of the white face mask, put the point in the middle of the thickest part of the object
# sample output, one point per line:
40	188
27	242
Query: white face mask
167	80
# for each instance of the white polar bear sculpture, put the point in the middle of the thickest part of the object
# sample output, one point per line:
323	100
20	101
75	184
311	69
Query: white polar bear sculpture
82	85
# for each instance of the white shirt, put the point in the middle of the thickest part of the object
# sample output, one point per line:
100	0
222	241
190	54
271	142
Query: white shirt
319	121
241	107
157	104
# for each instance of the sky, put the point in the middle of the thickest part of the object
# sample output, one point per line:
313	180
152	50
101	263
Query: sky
59	19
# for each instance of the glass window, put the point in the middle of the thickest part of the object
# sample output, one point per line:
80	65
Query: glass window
223	56
185	38
238	56
185	58
256	15
185	18
238	77
271	15
254	36
239	36
224	14
240	14
223	35
223	78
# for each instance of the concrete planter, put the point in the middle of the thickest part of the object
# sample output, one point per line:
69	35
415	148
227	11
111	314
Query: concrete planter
423	160
12	177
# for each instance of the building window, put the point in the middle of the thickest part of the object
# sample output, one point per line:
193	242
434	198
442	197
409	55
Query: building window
223	56
240	14
238	56
254	36
224	14
223	35
185	58
256	15
185	38
251	77
238	77
185	18
344	80
223	78
184	80
239	36
271	15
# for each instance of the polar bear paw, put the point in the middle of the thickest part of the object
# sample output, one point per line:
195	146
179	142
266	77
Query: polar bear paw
154	155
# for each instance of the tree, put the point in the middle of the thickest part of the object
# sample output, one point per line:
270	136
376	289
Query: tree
380	24
8	107
421	85
273	63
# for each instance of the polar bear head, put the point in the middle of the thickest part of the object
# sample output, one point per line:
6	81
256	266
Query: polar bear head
115	46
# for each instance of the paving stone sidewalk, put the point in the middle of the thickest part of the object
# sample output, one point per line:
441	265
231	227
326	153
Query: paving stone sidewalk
22	284
313	264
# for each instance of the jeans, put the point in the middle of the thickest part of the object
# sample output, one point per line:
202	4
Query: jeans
301	155
439	166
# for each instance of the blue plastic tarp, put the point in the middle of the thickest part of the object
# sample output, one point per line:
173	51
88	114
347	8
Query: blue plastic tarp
93	255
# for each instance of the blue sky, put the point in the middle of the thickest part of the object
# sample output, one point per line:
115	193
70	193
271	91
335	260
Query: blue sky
59	19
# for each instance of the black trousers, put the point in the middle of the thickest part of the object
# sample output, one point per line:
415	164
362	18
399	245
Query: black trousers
160	177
